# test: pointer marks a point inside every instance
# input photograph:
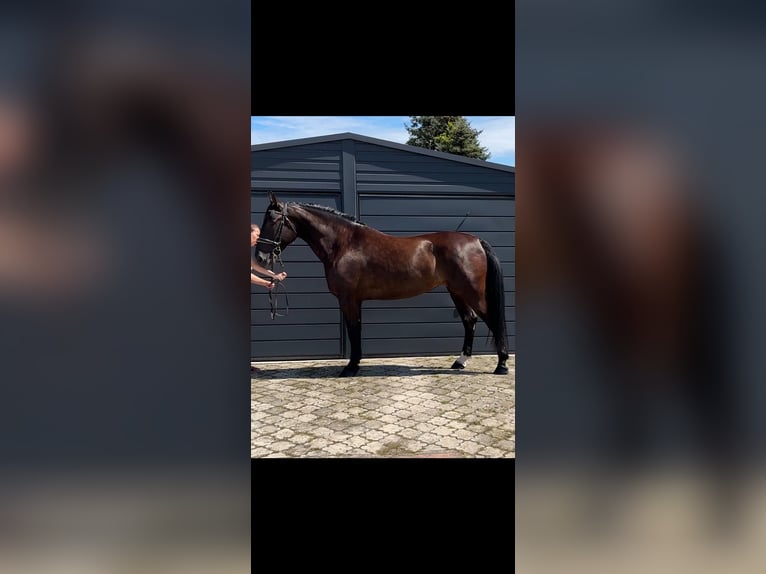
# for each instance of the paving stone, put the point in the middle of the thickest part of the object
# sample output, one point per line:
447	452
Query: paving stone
319	443
425	427
429	438
456	425
407	423
449	442
463	434
470	447
300	438
374	435
439	421
492	452
337	448
357	441
409	433
391	428
372	447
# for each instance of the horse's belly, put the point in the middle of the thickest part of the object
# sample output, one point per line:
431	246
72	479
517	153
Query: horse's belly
398	294
389	275
400	288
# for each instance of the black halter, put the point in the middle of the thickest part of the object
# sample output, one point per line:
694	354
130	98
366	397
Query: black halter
277	253
277	249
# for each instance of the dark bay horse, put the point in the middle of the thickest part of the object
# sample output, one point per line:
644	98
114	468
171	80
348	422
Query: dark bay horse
363	263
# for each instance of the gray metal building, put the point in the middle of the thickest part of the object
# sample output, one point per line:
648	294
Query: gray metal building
398	189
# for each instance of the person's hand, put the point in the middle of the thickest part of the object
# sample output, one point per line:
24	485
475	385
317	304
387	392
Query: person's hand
280	276
270	285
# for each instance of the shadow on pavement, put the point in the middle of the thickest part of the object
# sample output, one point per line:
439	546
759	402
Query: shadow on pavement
330	372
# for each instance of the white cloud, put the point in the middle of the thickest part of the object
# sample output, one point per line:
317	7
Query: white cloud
498	133
279	128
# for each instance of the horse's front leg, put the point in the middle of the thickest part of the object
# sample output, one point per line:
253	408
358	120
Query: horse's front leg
352	313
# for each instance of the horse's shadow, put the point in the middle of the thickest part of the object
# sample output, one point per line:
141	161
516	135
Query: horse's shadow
330	372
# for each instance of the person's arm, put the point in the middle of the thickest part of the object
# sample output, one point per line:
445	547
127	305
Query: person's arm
255	280
268	272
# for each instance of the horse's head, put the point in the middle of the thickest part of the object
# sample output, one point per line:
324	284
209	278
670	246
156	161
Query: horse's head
277	231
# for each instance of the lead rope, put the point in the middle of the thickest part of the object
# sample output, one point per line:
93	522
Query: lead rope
277	253
273	301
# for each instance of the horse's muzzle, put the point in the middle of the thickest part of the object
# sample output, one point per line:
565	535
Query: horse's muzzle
262	258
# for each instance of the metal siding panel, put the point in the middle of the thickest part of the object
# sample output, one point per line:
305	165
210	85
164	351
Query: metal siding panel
505	254
266	163
296	154
395	330
457	177
393	166
304	284
426	223
392	206
295	349
268	174
449	346
325	146
403	188
281	185
446	330
349	178
278	332
298	301
315	317
424	314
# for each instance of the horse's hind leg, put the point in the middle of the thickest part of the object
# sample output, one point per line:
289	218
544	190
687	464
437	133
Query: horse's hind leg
468	317
476	306
502	351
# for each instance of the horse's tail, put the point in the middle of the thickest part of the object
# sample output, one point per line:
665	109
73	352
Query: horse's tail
495	295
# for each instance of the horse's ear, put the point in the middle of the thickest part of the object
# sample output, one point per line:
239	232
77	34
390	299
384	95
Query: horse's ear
273	199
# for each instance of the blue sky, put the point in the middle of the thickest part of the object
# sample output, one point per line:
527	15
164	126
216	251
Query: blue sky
498	132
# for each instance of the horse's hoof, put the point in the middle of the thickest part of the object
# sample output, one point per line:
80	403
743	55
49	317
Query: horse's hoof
501	371
349	371
457	365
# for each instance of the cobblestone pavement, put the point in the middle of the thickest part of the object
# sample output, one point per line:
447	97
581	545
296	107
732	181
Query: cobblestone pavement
394	407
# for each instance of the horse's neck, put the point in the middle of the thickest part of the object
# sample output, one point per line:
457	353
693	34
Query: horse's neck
318	232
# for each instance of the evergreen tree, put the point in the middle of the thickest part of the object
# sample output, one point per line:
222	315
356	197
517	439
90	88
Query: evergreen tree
451	134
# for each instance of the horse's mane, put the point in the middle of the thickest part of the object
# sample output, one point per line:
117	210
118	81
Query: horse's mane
332	211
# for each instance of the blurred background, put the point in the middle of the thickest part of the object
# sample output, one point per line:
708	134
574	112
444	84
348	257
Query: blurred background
124	154
640	427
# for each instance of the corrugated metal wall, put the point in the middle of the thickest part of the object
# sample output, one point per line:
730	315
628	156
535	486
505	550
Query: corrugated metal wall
398	192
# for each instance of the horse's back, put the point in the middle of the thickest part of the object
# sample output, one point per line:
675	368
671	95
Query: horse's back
382	266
